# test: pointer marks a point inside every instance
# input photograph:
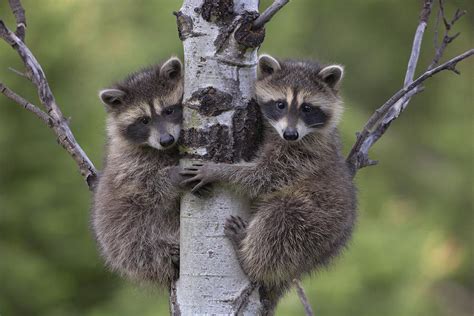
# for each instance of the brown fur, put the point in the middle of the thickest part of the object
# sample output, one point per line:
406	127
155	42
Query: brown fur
304	205
135	215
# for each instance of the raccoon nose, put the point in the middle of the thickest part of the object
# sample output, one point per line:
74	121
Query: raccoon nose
290	134
166	140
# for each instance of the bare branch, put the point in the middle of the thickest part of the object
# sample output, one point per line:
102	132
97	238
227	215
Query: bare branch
447	39
379	122
415	51
27	105
303	298
58	122
20	17
243	298
381	119
173	301
416	48
19	73
266	16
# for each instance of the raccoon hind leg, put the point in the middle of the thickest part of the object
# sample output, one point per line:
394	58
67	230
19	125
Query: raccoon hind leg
235	230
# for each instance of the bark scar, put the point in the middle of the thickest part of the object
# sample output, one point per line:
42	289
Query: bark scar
210	101
218	11
245	35
185	26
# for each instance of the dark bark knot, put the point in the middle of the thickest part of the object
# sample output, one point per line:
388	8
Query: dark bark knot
247	130
228	145
218	11
185	26
216	140
246	35
210	101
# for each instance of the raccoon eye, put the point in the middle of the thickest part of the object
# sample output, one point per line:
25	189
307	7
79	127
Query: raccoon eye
168	111
145	120
306	108
280	104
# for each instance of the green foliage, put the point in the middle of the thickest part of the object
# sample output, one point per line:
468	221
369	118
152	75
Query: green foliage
412	250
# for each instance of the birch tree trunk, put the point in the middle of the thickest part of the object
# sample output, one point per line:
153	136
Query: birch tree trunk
221	124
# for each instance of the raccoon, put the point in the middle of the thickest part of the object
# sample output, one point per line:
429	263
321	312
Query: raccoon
135	213
304	201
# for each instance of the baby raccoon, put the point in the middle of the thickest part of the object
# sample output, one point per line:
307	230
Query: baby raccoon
304	202
135	215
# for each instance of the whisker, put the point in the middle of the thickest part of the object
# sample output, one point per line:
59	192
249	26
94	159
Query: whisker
317	124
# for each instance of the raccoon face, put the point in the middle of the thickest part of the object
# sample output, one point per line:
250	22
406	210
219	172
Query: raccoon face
146	109
298	98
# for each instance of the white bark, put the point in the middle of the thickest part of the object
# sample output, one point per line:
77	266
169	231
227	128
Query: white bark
210	276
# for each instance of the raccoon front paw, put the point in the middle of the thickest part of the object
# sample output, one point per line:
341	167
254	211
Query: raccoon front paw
176	178
202	173
235	229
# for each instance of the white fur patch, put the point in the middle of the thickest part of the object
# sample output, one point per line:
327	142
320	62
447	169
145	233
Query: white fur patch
303	129
266	93
158	106
154	139
133	113
172	98
289	96
280	126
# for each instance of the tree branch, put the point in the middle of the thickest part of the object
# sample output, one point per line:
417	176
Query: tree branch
20	17
376	126
55	119
447	39
303	298
27	105
267	15
379	122
416	48
243	298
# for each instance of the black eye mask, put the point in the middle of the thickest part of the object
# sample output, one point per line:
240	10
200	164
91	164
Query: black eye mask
138	131
314	118
272	111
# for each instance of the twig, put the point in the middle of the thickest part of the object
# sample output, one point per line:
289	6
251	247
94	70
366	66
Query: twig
303	298
20	17
358	157
243	298
379	122
447	39
415	52
416	48
57	122
19	73
174	306
27	105
269	13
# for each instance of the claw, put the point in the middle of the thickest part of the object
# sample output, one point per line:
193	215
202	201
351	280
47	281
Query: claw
234	229
187	173
174	250
198	186
204	192
190	180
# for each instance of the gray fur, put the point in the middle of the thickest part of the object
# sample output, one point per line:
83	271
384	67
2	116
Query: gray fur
304	201
135	214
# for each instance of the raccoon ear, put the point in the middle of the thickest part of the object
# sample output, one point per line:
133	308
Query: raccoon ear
112	98
171	69
267	65
332	75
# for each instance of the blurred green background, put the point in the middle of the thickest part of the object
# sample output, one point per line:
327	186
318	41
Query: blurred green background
412	252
